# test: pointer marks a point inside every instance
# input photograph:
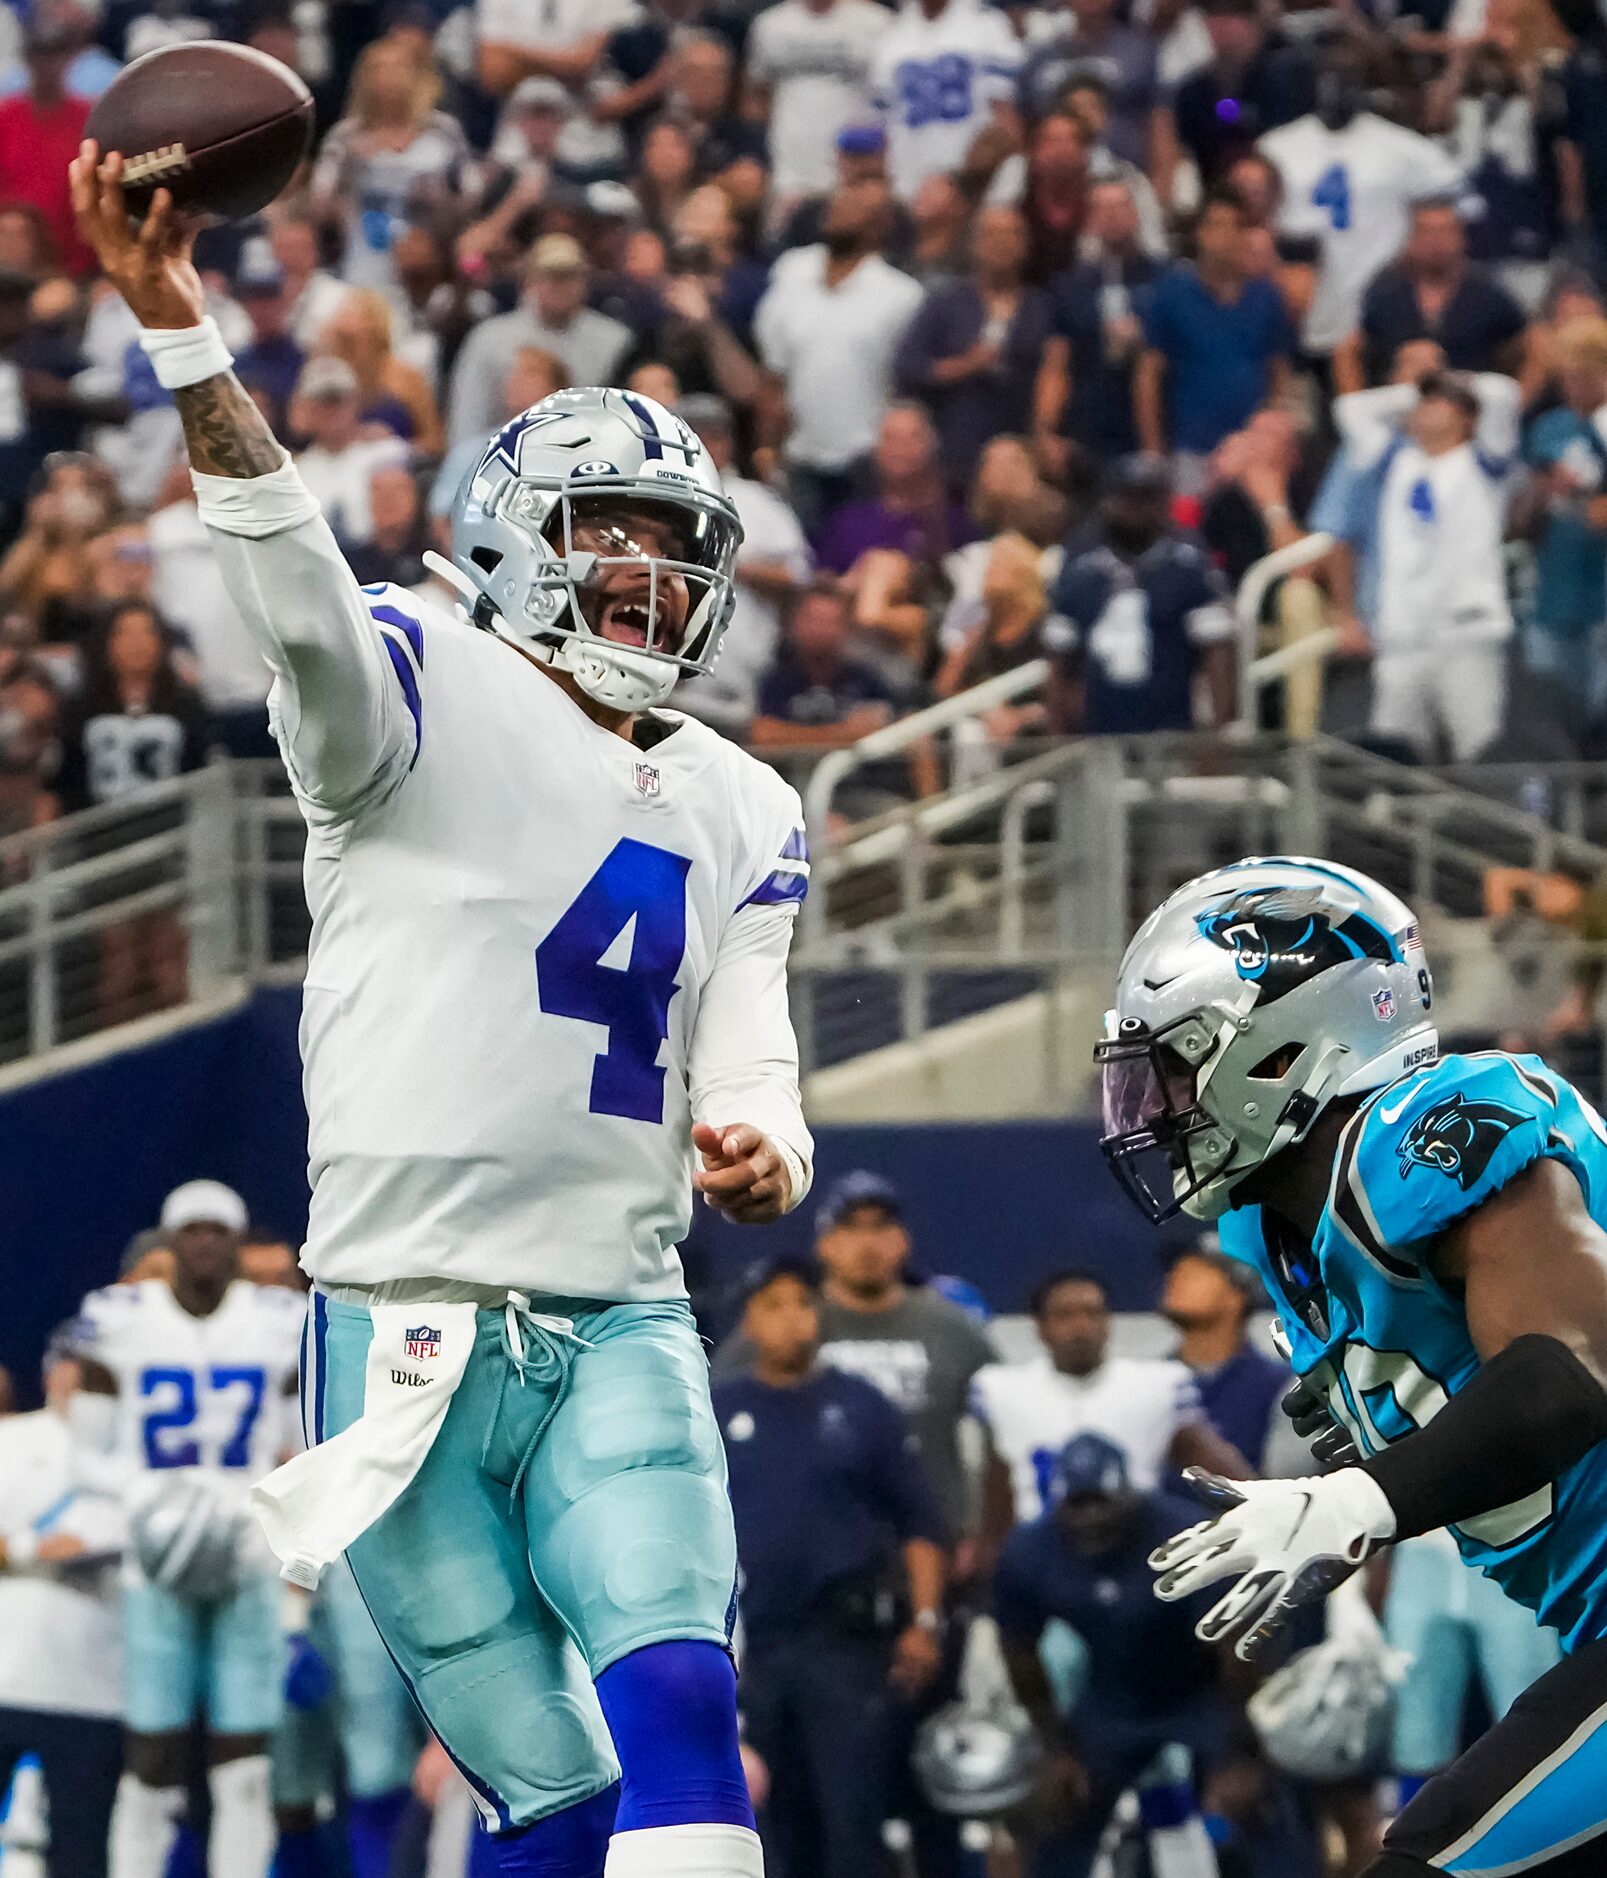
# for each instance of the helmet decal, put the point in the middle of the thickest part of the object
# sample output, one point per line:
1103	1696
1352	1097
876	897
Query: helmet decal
1281	936
1457	1137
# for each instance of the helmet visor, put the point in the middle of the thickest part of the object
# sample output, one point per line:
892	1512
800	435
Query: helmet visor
1160	1141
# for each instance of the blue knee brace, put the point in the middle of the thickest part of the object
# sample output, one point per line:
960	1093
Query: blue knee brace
570	1844
672	1710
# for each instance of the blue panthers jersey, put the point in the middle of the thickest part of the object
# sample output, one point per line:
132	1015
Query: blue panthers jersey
1369	1321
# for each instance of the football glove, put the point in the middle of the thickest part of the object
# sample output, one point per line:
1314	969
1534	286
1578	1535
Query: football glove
1287	1542
1331	1442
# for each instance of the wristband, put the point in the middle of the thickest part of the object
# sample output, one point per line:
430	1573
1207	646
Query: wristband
185	355
928	1620
22	1549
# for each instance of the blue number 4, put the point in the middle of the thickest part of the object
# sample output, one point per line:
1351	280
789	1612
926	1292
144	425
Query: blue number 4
1332	192
645	885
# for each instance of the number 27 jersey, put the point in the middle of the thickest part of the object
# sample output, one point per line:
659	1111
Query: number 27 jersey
511	947
1367	1318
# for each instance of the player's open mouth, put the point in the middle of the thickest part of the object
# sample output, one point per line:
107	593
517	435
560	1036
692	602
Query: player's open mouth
626	622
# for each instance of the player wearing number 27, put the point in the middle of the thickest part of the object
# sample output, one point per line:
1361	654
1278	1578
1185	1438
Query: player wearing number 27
545	1000
1434	1234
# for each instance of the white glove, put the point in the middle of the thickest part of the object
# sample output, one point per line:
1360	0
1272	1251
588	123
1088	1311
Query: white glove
1289	1542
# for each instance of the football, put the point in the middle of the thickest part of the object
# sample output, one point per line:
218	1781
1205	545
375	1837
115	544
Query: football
221	126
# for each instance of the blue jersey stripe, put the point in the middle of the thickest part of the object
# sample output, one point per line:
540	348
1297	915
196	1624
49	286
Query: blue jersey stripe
651	444
408	679
778	890
796	847
405	624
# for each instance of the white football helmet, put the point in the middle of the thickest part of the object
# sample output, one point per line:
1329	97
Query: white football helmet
1248	1002
605	462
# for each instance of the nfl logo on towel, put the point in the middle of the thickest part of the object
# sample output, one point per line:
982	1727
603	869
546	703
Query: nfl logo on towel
1384	1004
647	779
423	1342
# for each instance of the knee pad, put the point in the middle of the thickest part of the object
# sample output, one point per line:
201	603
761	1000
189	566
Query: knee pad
672	1711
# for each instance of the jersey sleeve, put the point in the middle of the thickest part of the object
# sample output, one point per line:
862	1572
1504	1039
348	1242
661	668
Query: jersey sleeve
348	667
1435	1147
106	1326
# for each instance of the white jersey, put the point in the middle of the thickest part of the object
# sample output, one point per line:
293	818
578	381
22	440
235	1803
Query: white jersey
936	81
212	1393
1031	1410
1354	190
1442	577
816	62
538	951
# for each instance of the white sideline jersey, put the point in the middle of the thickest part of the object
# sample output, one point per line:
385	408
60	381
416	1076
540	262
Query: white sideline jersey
1353	189
935	83
538	951
209	1393
1031	1410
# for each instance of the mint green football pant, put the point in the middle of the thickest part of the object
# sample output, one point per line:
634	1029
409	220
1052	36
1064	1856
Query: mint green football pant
572	1509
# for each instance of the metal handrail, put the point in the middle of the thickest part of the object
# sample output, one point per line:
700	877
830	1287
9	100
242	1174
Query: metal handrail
1256	673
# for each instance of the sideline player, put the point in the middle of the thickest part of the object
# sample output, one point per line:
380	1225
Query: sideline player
185	1384
547	973
1432	1233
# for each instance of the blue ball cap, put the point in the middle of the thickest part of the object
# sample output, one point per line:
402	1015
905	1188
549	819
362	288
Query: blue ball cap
845	1197
1090	1466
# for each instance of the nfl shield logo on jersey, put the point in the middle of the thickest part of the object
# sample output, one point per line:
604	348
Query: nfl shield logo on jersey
647	779
423	1342
1384	1004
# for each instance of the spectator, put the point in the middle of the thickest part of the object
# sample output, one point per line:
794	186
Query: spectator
40	131
700	96
29	709
861	158
338	461
1054	193
392	395
708	295
1209	1300
1145	615
1149	1683
919	1349
1150	1408
1566	512
1581	146
1434	292
565	40
391	156
552	315
940	217
828	330
911	515
532	376
972	350
524	177
832	1510
121	566
1084	395
136	721
1350	179
1086	38
312	293
1492	116
1443	613
808	80
398	533
1008	497
772	564
1088	101
60	1632
1217	346
667	172
1252	83
1011	631
943	73
44	575
268	1258
271	362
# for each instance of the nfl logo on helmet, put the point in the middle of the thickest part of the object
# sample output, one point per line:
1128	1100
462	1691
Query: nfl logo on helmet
423	1342
1384	1004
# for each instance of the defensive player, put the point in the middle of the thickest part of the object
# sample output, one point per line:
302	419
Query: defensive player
185	1386
1433	1234
548	962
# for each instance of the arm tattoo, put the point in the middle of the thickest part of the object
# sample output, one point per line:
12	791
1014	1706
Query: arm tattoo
226	433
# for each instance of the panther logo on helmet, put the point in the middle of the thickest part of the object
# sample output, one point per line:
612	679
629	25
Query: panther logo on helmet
1457	1137
1280	936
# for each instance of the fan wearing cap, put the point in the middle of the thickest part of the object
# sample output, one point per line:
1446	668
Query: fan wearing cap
338	462
1147	1681
186	1387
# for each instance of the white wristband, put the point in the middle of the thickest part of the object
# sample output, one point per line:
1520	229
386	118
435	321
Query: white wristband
21	1550
184	355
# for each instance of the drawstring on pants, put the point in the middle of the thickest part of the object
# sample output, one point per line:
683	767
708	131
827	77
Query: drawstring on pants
543	1349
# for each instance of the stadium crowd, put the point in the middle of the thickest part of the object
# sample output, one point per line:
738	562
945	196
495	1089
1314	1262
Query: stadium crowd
1015	330
920	1495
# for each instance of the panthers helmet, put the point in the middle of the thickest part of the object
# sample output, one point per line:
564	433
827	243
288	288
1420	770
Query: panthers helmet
1248	1002
187	1534
1326	1714
976	1760
591	457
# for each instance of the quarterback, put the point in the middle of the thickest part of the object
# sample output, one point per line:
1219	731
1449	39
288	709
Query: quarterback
1433	1232
545	1001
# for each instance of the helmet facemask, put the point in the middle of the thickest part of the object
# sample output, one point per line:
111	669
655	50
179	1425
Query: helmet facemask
1159	1140
625	619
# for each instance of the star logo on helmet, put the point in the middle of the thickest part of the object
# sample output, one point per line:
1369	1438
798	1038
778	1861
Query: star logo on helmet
507	446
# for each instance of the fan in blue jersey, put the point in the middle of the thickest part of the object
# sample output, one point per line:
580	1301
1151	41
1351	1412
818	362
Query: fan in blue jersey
1434	1233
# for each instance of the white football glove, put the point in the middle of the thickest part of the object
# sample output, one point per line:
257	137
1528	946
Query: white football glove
1289	1542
